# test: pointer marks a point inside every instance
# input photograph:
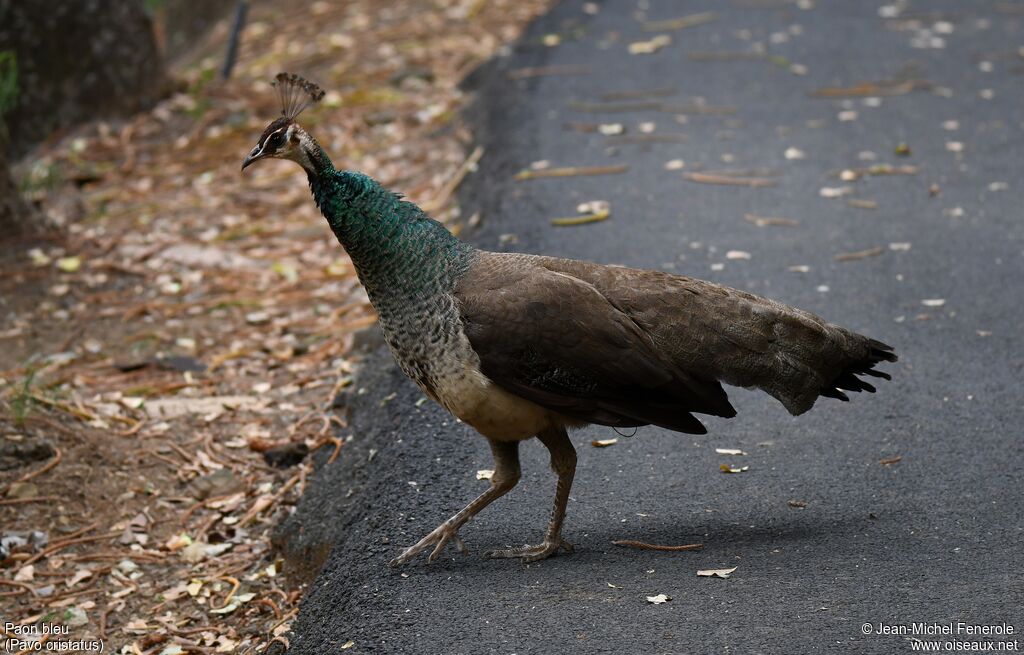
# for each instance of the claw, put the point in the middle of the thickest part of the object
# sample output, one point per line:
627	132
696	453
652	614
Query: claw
438	538
533	553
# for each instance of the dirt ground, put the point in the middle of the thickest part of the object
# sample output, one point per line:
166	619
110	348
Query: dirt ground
167	363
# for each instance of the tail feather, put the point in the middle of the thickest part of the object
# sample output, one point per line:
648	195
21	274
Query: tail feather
834	393
877	374
847	379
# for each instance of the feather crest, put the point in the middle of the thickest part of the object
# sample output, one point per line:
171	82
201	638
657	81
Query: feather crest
296	93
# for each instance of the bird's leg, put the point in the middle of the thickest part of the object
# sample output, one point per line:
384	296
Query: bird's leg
506	475
563	463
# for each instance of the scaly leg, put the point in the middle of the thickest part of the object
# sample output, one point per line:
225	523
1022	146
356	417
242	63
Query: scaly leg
563	463
506	475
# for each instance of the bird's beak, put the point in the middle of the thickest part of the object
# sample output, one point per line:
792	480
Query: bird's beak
255	155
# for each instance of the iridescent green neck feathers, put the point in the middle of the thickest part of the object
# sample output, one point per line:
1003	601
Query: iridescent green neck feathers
396	248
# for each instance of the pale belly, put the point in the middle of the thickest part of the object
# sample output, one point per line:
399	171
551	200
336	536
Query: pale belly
448	370
490	410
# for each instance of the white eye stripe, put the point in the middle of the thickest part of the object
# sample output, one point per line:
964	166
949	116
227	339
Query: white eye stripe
260	147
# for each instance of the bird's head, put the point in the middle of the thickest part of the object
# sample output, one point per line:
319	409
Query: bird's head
284	138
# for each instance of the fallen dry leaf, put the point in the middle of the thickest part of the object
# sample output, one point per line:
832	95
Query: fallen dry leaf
764	221
725	468
603	443
729	451
716	573
835	192
659	599
650	47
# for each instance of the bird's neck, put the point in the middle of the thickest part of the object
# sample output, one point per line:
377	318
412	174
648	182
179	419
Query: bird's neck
397	250
312	157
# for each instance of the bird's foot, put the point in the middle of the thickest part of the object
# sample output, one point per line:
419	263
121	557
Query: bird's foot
533	553
439	538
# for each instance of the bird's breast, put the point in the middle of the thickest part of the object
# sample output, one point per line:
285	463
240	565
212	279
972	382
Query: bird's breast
432	350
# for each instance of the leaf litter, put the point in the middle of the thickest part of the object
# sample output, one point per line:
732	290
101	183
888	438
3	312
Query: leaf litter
175	260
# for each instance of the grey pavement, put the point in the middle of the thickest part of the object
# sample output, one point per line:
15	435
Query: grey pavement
934	538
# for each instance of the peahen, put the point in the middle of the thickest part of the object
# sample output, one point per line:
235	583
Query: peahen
519	346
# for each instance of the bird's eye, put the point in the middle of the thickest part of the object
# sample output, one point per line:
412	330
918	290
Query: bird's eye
276	140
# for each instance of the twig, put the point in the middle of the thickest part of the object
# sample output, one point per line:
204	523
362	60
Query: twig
287	617
166	460
235	584
34	499
629	543
438	202
113	555
36	647
709	178
273	606
257	508
21	585
61	545
93	589
682	22
338	443
57	456
183	520
132	431
572	171
78	412
642	93
102	630
888	88
217	360
860	254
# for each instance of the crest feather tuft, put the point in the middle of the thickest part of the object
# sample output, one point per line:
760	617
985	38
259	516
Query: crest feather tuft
296	93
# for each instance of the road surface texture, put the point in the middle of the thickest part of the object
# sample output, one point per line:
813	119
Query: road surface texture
938	272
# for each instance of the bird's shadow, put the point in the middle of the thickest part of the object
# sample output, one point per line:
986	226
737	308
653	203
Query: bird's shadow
722	540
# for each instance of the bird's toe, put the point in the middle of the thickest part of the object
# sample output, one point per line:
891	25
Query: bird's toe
533	553
439	538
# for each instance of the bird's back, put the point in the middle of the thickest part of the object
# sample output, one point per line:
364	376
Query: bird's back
710	332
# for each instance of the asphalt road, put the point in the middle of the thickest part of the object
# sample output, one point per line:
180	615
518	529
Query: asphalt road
935	538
